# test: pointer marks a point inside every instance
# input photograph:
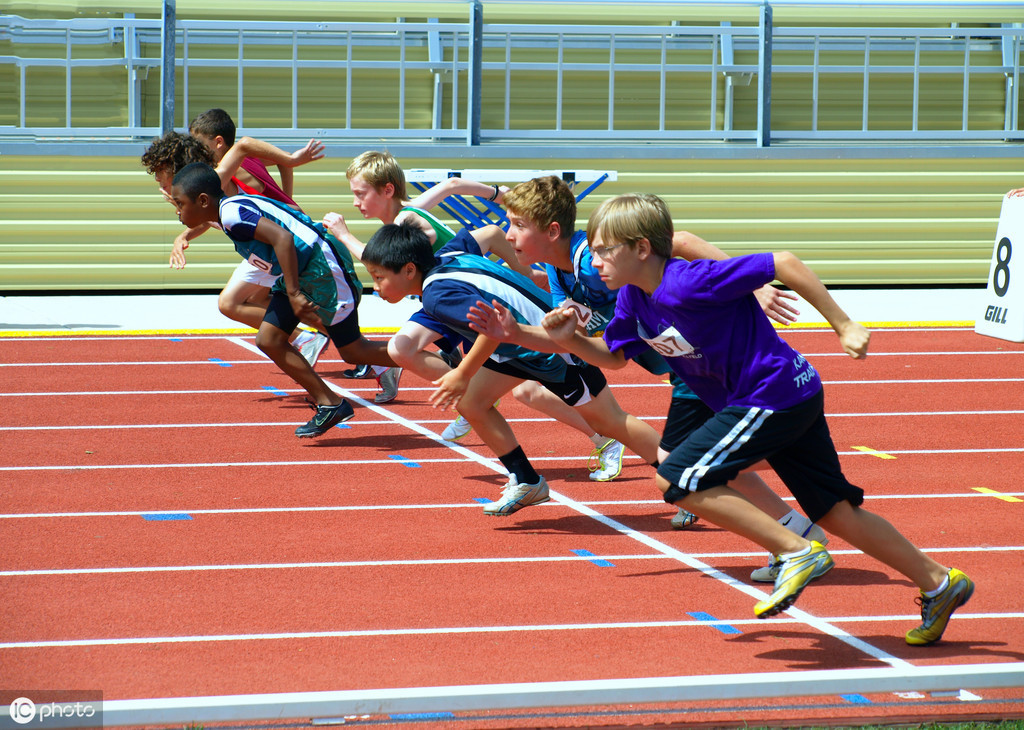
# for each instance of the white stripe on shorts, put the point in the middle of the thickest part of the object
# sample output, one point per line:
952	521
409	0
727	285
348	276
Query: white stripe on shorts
737	436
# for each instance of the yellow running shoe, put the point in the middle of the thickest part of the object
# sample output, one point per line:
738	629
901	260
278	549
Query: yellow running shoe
935	611
794	575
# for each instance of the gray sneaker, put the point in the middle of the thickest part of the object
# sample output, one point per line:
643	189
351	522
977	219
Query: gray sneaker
515	496
768	573
312	348
388	382
683	519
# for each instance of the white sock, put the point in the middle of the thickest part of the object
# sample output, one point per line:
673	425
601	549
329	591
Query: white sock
942	586
798	554
796	523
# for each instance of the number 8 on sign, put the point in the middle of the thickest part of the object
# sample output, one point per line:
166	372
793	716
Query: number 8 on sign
1002	313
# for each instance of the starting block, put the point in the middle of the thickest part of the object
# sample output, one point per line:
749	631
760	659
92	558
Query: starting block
475	212
1002	315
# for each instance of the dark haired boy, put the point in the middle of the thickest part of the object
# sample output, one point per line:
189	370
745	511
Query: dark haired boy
401	262
316	282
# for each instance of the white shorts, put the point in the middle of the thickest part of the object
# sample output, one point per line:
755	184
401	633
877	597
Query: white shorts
248	274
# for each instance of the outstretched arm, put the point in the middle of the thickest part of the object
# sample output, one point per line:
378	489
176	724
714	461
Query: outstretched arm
181	243
458	186
692	247
795	274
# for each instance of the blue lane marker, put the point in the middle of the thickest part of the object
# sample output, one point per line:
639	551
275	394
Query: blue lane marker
598	561
403	461
274	390
176	339
423	716
167	516
856	699
219	362
720	625
482	500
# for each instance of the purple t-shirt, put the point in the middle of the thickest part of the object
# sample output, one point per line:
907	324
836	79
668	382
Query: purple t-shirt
709	326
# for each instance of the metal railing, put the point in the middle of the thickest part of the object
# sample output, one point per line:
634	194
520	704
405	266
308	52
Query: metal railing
475	83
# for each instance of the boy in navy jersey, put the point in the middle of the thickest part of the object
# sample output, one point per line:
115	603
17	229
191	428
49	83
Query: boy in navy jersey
702	317
316	282
451	281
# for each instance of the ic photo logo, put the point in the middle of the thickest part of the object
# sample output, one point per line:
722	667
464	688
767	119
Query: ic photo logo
23	710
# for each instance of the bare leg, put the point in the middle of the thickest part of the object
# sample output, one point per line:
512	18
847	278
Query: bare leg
244	302
604	415
273	342
876	536
408	349
536	396
725	507
477	407
366	352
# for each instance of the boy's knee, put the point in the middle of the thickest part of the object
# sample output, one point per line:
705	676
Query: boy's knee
402	350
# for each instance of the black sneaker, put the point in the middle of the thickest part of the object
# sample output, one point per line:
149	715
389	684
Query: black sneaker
360	371
451	357
325	418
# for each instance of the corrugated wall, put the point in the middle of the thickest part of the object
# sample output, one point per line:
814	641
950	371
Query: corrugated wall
100	223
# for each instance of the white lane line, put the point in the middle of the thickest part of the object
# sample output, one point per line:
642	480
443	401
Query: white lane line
437	561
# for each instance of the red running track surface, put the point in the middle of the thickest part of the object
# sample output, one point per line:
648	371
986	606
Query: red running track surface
362	559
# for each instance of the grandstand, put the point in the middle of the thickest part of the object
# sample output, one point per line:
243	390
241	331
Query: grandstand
877	151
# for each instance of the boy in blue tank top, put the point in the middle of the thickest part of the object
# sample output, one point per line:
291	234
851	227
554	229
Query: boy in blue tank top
768	399
451	281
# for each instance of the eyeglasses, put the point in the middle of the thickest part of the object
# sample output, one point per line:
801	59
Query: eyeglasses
602	251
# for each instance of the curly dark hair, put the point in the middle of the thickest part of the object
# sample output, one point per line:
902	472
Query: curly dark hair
173	151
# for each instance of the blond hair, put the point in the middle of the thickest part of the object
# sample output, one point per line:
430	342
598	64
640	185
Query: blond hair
543	201
379	169
630	217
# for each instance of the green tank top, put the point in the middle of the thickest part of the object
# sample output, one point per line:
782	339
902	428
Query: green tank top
443	232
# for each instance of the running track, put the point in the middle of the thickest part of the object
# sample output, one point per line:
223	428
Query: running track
163	534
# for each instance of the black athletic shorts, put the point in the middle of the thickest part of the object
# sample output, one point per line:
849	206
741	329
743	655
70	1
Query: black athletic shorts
581	384
795	442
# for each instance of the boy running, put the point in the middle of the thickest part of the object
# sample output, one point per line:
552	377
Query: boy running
402	263
315	282
767	398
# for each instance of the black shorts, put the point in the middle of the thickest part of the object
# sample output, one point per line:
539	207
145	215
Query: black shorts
685	415
281	315
581	384
795	442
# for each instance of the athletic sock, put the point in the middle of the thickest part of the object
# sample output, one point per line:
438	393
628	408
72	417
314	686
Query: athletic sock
797	554
942	586
796	523
519	466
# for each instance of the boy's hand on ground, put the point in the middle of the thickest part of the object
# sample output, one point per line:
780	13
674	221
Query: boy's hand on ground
314	150
854	338
494	321
450	388
774	304
560	324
